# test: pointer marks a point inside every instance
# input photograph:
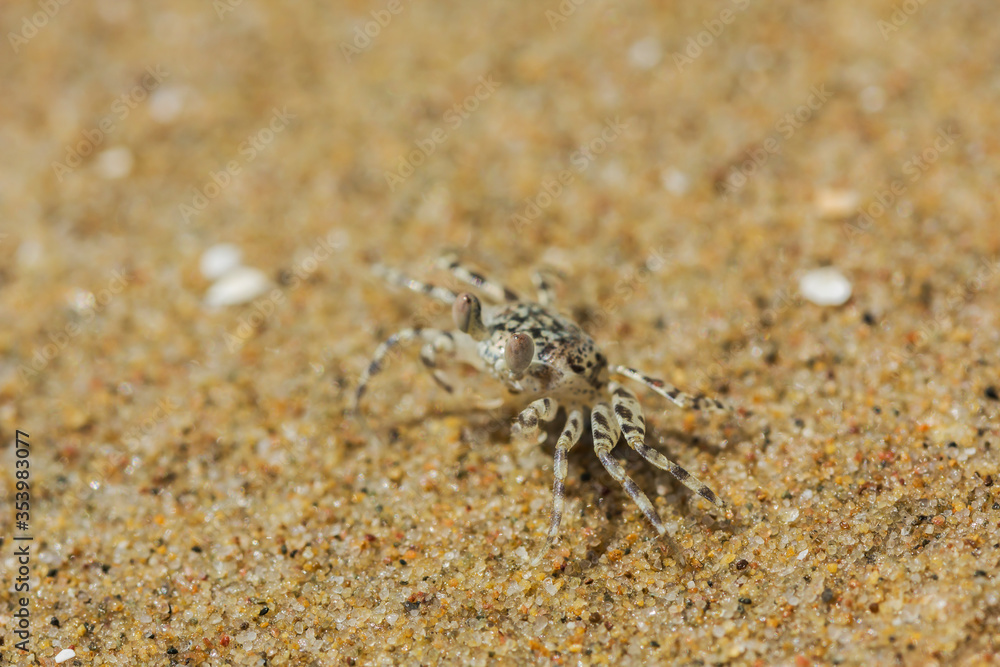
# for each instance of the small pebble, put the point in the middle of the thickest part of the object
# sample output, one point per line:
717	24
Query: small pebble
166	103
675	181
30	253
219	260
115	163
238	286
65	655
872	99
825	287
645	54
834	204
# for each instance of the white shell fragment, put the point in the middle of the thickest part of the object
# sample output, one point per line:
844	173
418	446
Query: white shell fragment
219	260
239	285
825	287
115	163
675	181
834	204
166	103
65	655
645	54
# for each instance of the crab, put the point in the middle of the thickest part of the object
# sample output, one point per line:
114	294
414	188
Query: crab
536	352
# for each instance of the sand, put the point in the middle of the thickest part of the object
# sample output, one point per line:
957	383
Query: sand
199	494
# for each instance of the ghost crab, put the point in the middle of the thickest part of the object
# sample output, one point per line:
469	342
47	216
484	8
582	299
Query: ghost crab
533	350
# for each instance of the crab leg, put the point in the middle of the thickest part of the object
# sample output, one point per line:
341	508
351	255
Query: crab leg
491	288
546	292
675	395
528	421
394	277
606	433
435	339
444	343
570	436
628	413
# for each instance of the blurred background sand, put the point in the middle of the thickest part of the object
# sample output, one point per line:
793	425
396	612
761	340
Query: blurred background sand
199	496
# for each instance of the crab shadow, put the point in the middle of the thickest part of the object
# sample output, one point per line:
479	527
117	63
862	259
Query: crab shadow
597	490
590	483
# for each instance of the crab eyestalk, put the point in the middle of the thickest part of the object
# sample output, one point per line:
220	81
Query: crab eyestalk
518	353
468	315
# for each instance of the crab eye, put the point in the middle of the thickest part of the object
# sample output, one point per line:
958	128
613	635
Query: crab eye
518	352
466	311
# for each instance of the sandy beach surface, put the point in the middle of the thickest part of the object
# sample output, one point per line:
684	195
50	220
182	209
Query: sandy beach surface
790	206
